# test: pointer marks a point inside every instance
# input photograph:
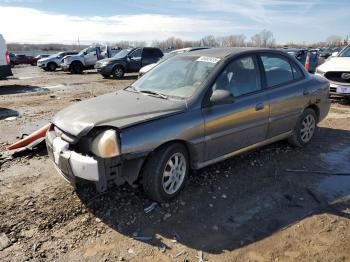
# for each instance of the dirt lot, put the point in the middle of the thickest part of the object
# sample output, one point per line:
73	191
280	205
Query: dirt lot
248	208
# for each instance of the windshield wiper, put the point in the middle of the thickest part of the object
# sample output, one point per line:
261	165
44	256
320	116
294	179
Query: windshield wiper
154	93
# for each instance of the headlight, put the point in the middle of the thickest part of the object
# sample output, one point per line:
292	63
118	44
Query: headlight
107	63
319	71
106	144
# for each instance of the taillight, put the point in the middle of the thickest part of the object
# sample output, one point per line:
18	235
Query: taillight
7	58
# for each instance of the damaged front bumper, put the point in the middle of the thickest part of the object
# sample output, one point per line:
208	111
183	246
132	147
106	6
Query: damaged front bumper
71	164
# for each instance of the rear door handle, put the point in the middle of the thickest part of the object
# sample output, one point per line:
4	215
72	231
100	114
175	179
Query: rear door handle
259	106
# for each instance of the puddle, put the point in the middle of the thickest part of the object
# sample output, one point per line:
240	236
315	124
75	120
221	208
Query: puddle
22	78
337	160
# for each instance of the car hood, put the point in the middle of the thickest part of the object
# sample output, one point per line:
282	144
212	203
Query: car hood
72	57
111	59
336	64
146	68
46	59
120	109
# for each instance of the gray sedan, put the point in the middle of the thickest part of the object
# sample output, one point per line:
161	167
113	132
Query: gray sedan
190	111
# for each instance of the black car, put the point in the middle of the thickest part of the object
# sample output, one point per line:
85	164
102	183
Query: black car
128	61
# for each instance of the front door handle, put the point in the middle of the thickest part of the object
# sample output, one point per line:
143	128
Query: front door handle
259	106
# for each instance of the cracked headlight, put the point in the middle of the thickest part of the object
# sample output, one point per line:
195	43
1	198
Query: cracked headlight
106	144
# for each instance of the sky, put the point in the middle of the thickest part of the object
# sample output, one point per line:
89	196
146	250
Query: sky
66	21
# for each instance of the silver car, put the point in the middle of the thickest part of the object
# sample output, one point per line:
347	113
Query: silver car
52	62
191	111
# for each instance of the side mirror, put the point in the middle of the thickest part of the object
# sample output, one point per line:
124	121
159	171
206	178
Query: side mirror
335	53
221	97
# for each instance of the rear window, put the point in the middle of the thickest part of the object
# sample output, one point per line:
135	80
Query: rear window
278	70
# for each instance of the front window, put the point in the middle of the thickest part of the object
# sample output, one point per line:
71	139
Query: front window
240	77
136	53
345	52
180	76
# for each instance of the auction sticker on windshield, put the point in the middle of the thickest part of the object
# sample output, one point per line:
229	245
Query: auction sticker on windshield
208	59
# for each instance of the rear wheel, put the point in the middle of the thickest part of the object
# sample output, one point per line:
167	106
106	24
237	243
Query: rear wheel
304	129
77	68
118	72
51	67
165	172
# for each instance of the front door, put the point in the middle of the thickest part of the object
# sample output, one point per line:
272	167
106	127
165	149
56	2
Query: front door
90	57
244	122
135	61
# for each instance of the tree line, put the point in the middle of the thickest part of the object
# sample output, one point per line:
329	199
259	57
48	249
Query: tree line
265	38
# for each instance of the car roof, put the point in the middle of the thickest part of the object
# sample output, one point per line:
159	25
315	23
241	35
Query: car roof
224	51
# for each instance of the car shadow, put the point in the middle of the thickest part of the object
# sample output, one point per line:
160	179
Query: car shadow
231	204
7	112
18	89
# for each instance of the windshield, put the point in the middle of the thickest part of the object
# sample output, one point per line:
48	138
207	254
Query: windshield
60	55
83	51
179	77
123	53
345	52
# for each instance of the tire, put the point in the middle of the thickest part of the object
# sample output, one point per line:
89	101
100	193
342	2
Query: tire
305	129
118	72
161	182
51	67
77	68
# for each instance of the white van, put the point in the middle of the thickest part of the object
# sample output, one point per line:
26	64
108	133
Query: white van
5	65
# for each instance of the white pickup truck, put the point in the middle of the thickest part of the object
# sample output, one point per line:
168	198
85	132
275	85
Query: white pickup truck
5	64
86	59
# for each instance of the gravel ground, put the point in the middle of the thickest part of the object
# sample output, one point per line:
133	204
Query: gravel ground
248	208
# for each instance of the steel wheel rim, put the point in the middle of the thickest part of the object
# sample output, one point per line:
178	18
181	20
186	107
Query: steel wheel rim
118	72
307	130
174	173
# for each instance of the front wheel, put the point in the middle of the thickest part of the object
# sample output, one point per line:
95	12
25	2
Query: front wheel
77	68
118	72
165	172
52	67
304	129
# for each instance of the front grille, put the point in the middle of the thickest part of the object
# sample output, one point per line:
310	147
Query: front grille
337	77
333	89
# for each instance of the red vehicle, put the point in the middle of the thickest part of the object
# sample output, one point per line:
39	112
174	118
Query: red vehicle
26	60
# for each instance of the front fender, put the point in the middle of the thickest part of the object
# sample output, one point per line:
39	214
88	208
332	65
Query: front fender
146	137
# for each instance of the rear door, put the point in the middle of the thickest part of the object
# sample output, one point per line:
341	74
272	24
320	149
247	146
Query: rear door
284	81
244	122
